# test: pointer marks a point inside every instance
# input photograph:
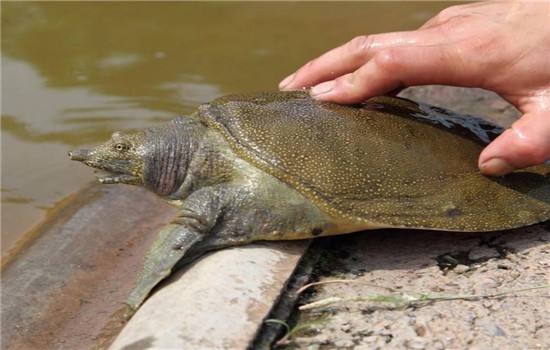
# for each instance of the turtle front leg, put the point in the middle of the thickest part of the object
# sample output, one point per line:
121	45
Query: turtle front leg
198	215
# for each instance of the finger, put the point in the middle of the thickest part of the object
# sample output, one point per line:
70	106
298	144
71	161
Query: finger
352	55
397	67
526	143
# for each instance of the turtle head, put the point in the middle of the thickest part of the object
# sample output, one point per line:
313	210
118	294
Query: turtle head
121	159
157	158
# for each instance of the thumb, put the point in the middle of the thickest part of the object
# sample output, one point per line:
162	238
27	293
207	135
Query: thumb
526	143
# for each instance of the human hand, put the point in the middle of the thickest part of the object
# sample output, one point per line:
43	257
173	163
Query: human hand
498	46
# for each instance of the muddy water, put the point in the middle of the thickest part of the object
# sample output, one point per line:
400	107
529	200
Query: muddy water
72	73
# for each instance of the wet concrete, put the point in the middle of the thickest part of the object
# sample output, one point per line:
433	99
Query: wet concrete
65	290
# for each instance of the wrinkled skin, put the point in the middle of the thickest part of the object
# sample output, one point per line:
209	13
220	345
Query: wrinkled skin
277	166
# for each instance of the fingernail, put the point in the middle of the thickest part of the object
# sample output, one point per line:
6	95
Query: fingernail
322	88
496	167
287	81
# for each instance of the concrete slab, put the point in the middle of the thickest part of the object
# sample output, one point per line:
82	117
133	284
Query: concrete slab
217	303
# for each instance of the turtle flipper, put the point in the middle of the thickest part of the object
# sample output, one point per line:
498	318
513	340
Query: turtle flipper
172	243
178	241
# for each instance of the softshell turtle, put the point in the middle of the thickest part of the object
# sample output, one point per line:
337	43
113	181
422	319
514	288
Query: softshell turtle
280	165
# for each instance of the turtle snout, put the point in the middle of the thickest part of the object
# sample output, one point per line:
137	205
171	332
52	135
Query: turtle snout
80	155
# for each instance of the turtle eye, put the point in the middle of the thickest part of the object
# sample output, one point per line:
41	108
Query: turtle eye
121	147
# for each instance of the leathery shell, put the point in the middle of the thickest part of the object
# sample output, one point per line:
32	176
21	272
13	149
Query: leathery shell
388	161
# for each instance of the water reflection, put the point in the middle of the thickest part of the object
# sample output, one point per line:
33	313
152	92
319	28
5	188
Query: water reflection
75	72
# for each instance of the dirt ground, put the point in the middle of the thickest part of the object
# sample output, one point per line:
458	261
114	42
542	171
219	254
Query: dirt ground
393	262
